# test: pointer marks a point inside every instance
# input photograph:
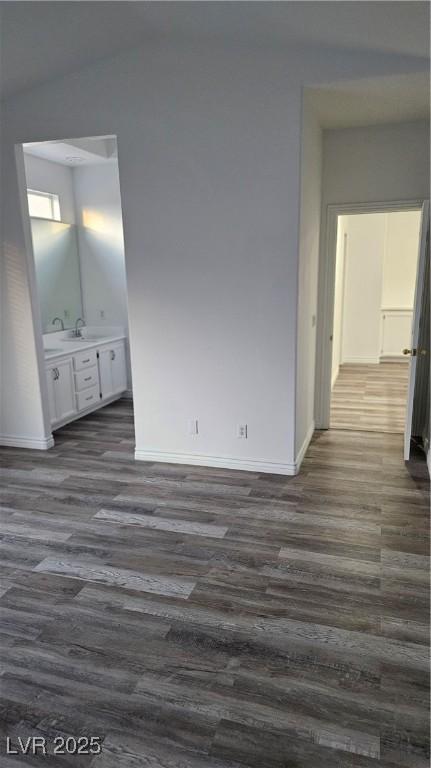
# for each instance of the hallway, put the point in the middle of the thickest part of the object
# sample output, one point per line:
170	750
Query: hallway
370	397
211	618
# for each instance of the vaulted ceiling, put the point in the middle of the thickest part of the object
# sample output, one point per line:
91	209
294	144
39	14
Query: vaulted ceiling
45	40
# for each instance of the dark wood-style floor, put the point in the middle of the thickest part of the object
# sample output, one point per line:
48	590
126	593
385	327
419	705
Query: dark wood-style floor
370	397
198	618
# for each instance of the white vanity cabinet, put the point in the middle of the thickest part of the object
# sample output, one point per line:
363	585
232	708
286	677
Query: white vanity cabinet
61	391
86	379
112	370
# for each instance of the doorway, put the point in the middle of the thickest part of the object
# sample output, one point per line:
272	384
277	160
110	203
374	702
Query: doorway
367	295
375	277
74	228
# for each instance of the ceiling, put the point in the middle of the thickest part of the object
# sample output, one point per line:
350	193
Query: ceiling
369	102
75	152
42	41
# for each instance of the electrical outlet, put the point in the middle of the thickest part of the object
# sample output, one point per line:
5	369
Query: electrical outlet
242	431
193	427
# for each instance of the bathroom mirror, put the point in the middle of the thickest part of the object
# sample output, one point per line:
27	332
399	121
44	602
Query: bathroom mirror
56	257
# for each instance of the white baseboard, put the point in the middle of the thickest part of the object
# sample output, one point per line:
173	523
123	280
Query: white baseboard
225	462
303	449
36	443
360	361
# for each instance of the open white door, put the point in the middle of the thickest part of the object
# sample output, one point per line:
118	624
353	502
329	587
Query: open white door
417	308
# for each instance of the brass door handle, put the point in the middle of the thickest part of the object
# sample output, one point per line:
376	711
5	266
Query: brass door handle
412	352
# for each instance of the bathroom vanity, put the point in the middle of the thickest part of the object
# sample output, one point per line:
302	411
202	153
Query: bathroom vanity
83	373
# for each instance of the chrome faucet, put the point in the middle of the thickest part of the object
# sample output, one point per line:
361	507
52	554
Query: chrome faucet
58	319
78	333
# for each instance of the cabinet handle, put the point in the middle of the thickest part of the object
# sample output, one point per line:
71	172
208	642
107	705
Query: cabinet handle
112	354
54	374
89	398
87	360
58	374
88	378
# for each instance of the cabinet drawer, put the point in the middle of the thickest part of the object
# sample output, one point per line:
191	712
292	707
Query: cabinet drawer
85	359
87	398
89	377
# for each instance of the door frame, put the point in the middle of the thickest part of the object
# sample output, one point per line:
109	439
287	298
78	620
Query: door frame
418	307
326	294
30	267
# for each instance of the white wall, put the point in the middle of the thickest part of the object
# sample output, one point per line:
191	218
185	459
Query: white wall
23	419
400	259
45	176
209	154
399	279
311	180
363	288
337	332
375	164
101	245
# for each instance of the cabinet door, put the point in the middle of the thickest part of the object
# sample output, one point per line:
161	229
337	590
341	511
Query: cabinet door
64	391
105	373
51	375
118	363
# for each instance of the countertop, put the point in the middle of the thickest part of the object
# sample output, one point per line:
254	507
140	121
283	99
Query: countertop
62	347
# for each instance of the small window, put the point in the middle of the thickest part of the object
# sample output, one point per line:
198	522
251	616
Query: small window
43	205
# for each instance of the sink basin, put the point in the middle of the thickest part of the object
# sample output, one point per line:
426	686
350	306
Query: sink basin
93	333
52	350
